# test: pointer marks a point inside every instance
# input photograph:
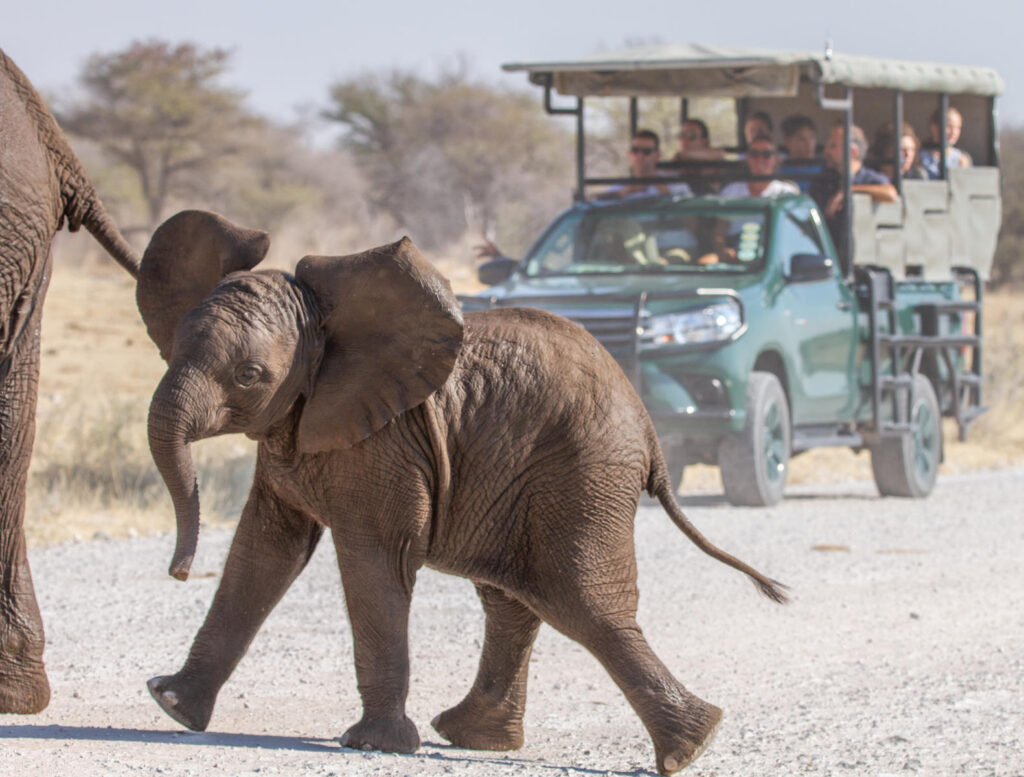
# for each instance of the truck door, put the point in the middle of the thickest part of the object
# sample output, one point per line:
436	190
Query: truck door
821	316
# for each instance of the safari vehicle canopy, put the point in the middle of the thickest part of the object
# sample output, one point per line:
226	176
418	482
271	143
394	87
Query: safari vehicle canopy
936	226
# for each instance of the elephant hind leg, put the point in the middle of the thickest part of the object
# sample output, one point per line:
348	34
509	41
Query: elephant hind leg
491	715
680	724
24	688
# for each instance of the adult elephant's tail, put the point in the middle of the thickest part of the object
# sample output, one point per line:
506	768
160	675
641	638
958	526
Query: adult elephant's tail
80	205
658	487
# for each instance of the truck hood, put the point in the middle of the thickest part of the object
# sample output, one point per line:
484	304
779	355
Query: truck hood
616	284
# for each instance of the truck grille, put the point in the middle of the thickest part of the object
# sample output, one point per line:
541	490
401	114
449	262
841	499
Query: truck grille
615	327
616	331
615	320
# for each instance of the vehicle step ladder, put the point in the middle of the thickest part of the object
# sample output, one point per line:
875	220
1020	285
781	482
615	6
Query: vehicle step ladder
896	357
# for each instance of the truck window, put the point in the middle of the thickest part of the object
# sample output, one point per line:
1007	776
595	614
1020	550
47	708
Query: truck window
798	233
655	240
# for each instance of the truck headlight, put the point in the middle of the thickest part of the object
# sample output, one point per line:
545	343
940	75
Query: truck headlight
709	324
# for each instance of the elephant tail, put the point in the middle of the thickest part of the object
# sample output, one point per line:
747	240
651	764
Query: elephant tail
658	487
81	205
102	227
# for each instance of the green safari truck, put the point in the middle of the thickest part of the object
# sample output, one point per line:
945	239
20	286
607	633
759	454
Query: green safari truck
752	331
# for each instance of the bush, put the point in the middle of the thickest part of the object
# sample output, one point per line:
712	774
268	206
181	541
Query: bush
92	464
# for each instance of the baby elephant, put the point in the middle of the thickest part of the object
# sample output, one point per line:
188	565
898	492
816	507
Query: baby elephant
504	446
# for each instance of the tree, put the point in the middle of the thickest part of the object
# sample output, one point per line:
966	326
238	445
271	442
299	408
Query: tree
158	109
452	154
278	178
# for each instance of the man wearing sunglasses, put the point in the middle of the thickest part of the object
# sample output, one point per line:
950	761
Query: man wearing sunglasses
762	158
644	155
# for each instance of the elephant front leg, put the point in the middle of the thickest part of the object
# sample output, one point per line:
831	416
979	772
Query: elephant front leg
271	547
378	596
491	715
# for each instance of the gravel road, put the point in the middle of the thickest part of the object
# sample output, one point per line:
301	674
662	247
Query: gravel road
902	652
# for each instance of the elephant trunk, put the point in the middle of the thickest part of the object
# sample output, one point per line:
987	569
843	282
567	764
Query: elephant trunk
172	427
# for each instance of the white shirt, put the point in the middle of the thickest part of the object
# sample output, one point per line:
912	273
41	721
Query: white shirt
774	189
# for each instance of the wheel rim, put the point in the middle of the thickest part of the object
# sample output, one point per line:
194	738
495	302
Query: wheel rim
774	444
925	441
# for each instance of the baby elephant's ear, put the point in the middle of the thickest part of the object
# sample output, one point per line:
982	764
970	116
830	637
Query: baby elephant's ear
186	257
393	333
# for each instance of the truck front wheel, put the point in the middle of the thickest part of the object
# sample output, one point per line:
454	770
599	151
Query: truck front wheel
907	465
754	463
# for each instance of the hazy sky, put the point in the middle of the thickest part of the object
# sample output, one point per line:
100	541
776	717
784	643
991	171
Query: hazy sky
287	53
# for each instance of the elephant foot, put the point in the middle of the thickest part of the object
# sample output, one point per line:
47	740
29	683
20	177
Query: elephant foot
386	735
478	726
189	706
24	693
675	747
24	688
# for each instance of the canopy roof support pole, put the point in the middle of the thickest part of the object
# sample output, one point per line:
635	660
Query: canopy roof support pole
845	240
943	142
580	139
897	170
742	111
633	116
993	134
847	236
581	151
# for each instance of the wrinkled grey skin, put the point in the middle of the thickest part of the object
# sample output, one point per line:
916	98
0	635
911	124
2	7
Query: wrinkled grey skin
507	448
42	187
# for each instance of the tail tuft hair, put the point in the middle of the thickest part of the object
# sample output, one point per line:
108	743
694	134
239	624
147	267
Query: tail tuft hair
658	487
773	589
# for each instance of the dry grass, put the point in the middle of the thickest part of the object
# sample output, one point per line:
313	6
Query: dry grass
92	472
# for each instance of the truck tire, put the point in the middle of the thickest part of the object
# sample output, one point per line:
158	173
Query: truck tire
754	463
908	465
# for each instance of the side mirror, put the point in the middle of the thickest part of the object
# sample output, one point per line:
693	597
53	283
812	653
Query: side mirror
810	267
496	270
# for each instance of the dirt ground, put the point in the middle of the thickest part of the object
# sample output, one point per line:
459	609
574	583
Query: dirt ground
900	653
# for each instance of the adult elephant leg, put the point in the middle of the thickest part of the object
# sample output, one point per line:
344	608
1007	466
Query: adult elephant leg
24	688
491	715
271	547
378	592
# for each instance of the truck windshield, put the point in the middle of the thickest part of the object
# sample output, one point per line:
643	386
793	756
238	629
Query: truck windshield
653	239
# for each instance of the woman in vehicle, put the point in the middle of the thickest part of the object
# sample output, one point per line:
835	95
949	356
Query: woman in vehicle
955	157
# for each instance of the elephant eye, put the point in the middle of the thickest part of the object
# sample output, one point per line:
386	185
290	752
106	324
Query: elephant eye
248	374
